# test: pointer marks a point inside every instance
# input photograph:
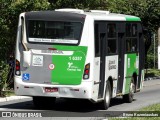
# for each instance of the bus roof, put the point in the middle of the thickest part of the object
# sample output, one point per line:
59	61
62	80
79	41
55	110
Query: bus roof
113	16
102	14
76	13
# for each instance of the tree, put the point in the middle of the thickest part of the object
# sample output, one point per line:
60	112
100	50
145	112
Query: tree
147	10
9	12
79	4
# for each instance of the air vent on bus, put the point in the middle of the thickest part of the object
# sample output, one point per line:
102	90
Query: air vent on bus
100	11
70	10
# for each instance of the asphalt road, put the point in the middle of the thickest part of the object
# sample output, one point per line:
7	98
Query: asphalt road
79	108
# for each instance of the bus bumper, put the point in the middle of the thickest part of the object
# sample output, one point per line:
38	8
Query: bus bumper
84	90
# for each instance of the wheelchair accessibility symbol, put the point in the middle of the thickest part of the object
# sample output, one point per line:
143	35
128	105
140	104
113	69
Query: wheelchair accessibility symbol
25	76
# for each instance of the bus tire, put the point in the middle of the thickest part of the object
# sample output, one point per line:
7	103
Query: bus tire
107	98
129	97
43	102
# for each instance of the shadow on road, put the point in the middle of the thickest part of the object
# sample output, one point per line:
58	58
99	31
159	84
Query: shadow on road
63	105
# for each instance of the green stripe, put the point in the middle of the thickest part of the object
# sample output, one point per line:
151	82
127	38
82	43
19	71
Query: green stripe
71	48
132	18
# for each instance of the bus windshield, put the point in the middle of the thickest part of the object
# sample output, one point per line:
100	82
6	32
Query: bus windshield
54	31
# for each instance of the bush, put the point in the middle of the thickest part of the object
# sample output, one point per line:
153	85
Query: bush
150	61
4	71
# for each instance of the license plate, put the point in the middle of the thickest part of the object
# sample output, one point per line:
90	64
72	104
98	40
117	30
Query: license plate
49	89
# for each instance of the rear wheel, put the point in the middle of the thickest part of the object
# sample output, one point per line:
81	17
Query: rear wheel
129	97
106	102
43	102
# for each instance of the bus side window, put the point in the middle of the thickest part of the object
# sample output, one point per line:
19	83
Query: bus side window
96	40
131	37
112	40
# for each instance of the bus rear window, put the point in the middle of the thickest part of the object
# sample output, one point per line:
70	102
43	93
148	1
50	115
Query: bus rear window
54	32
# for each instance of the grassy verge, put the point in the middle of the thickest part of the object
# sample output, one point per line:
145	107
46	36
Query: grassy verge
155	107
6	93
152	73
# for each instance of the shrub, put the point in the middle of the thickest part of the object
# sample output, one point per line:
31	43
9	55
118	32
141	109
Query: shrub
4	71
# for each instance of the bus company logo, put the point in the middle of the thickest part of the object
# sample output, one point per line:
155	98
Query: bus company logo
6	114
70	64
37	60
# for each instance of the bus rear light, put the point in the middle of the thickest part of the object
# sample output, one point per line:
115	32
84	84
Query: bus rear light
17	68
86	71
17	71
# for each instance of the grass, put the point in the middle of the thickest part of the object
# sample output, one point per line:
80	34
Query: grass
155	107
6	93
152	73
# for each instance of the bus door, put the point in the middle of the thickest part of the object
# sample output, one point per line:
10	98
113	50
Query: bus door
121	52
102	40
141	54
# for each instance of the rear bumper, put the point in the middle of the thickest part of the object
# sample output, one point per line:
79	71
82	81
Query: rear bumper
84	90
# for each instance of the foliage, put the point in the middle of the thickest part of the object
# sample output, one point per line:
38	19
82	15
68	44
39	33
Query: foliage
150	61
155	107
85	4
147	10
9	12
152	73
4	71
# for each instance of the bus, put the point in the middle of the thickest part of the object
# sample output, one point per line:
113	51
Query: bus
72	53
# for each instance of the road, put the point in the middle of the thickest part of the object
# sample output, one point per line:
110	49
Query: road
78	108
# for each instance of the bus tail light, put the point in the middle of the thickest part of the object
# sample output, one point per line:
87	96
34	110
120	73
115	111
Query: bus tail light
86	71
17	69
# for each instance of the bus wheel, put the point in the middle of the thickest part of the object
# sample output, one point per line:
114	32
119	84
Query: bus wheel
129	97
44	102
106	102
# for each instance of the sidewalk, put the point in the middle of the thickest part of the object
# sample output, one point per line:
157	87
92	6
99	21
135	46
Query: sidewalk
146	83
5	99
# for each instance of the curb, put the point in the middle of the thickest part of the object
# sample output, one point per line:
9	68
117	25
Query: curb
5	99
151	78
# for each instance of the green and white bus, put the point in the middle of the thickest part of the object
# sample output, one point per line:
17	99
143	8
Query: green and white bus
70	53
